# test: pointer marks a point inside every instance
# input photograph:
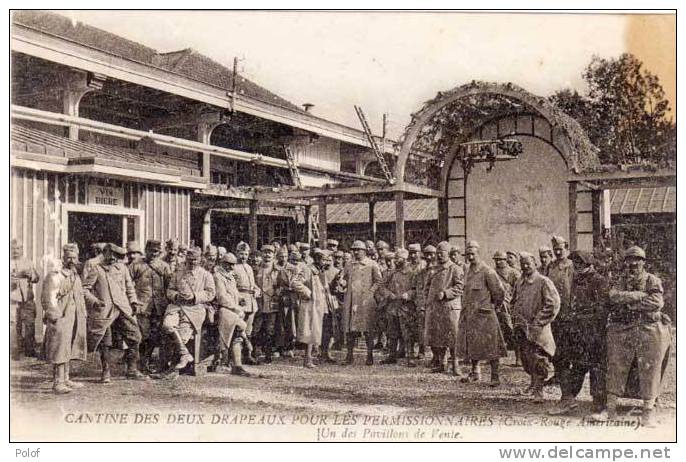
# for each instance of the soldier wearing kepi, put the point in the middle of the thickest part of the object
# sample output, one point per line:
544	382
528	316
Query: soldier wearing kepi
64	314
249	292
23	276
112	306
332	245
268	302
229	316
133	252
190	289
304	249
363	278
535	303
586	320
480	337
545	255
637	332
561	272
512	257
151	277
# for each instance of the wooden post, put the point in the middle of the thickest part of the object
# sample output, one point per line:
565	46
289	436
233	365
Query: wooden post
207	229
252	225
442	204
399	219
308	224
572	216
372	218
322	223
596	200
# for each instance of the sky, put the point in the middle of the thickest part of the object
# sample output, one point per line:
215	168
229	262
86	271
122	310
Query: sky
385	62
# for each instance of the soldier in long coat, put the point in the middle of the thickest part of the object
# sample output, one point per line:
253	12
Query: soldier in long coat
480	337
561	272
249	292
330	279
288	267
151	277
312	305
265	323
587	320
637	333
229	316
64	314
112	303
421	286
363	277
23	276
190	290
535	303
508	277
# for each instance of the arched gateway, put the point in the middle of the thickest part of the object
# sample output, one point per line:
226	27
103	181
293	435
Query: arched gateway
518	202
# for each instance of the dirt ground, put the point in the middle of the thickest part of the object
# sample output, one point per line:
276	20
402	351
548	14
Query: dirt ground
285	401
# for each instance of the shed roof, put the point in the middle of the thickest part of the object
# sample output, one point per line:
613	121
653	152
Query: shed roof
415	210
643	200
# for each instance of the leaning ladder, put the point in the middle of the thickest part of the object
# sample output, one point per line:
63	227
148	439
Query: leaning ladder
375	147
297	181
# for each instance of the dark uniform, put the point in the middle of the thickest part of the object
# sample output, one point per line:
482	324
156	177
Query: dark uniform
23	276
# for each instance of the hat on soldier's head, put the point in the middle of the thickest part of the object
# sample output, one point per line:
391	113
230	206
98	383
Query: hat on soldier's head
295	255
339	254
358	245
402	253
267	248
382	245
429	249
544	249
242	247
514	253
499	255
283	250
115	249
558	241
333	242
323	252
221	251
317	251
526	256
229	258
210	250
635	252
370	245
414	248
303	246
70	248
292	248
443	246
583	256
98	246
183	248
194	253
454	248
389	255
172	244
472	245
133	247
153	245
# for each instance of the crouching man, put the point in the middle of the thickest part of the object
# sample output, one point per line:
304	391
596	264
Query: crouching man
65	319
229	316
535	303
190	289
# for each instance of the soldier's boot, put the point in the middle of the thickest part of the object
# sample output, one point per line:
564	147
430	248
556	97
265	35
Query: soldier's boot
236	357
439	360
59	386
326	355
185	357
410	358
402	352
422	352
537	389
132	372
370	351
350	345
67	378
435	358
648	416
599	404
609	413
268	354
392	352
566	405
495	373
105	361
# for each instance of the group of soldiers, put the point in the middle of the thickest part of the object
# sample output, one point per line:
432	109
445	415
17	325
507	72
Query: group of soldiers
563	314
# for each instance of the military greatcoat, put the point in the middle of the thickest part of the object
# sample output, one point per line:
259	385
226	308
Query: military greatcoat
443	303
363	278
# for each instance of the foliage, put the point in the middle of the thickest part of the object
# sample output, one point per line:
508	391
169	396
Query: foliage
625	112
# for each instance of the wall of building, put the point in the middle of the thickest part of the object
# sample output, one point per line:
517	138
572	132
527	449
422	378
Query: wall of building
317	151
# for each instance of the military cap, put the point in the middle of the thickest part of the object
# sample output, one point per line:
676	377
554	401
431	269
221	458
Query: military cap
194	252
133	247
153	245
323	252
296	255
526	256
514	253
472	245
389	255
382	245
454	248
115	249
303	246
370	245
221	251
211	251
429	249
558	241
292	248
402	253
317	251
267	248
339	254
242	247
499	255
332	242
443	246
172	244
544	249
414	248
99	246
229	258
70	248
583	256
183	248
635	252
358	245
283	250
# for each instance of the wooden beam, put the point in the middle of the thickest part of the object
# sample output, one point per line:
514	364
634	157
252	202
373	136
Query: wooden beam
322	224
572	216
596	203
252	225
372	218
207	229
399	219
307	237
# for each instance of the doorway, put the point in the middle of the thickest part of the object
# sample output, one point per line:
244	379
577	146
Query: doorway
87	228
